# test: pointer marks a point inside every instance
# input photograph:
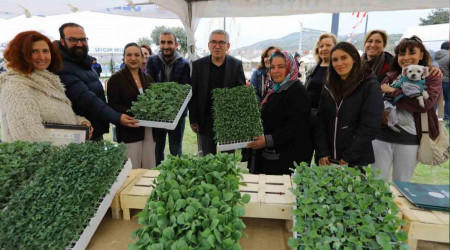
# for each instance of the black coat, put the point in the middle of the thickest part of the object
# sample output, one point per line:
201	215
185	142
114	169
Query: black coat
285	120
234	76
356	122
122	91
86	93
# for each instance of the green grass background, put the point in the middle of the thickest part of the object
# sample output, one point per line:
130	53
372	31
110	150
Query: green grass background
422	174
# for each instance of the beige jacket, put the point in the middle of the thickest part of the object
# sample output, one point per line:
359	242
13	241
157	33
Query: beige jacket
27	102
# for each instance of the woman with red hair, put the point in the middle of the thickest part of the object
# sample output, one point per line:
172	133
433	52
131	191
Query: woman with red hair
31	95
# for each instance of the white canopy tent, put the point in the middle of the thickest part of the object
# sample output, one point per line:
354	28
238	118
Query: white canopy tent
190	11
432	35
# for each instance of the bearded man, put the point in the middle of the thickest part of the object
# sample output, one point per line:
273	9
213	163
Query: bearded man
83	86
169	66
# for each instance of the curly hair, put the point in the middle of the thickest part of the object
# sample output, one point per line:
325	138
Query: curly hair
18	52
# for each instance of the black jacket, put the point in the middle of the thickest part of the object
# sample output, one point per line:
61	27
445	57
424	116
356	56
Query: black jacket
86	93
285	121
122	90
234	76
345	130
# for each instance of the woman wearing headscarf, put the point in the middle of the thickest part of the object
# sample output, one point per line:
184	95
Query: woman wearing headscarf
285	110
31	95
350	110
260	79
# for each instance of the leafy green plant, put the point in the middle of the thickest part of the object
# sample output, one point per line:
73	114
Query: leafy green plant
195	204
18	162
236	114
53	209
160	102
339	207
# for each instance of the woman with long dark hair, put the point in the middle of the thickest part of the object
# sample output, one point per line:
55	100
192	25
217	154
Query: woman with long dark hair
350	110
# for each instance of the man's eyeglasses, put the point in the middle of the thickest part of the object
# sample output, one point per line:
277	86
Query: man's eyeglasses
74	41
215	43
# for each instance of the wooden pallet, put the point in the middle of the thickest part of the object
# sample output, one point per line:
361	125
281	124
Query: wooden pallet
270	195
135	195
115	205
422	224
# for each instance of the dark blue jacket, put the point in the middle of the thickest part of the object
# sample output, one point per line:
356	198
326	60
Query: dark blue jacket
86	93
256	81
180	71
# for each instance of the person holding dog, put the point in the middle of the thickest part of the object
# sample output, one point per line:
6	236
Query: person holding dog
396	150
350	110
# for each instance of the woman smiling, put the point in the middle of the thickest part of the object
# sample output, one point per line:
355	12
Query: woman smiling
123	88
374	55
285	110
350	110
31	95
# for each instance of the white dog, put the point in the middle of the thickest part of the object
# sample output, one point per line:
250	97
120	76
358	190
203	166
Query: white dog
412	83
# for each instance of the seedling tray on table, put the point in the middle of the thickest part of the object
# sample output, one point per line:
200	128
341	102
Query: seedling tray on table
103	205
170	125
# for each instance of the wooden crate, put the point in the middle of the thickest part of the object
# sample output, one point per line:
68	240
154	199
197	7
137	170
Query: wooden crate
270	197
422	224
115	205
135	195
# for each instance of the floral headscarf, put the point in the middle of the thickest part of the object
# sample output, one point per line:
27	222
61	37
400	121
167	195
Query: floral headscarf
291	70
292	75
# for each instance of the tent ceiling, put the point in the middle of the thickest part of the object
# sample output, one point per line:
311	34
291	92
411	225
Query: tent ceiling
210	8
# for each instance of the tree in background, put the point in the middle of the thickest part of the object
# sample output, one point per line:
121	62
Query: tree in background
144	40
436	16
179	33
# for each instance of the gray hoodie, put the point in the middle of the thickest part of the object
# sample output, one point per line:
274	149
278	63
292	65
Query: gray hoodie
442	58
168	66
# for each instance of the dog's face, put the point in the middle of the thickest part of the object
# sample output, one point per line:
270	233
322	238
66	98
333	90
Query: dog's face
415	72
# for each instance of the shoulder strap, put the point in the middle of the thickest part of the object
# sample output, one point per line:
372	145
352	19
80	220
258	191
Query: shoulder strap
424	122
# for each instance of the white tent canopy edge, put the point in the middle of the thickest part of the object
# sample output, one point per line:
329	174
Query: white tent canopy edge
190	11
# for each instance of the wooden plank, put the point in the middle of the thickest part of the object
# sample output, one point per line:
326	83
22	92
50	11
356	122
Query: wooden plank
428	232
427	217
262	188
151	173
258	210
251	187
287	184
250	178
145	182
140	191
405	208
276	199
443	216
274	179
279	189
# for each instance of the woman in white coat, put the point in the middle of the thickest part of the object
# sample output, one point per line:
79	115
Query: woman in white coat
31	95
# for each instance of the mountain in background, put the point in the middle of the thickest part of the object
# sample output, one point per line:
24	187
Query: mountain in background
291	43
